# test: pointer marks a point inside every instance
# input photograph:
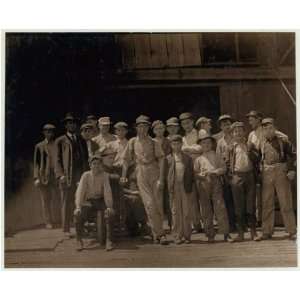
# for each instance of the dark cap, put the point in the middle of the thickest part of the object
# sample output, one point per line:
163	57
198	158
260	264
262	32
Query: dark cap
70	117
49	127
224	117
172	122
185	116
255	114
267	121
157	122
176	138
86	126
237	124
142	119
121	124
91	117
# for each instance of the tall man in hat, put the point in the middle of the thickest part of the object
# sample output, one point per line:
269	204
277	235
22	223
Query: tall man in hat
104	136
278	170
191	148
44	177
149	159
223	145
71	162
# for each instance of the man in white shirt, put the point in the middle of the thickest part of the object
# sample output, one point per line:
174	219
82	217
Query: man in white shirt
104	136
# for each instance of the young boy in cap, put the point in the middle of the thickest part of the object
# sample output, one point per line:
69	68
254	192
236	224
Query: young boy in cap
180	176
92	119
104	136
86	131
241	161
204	124
93	193
223	144
191	148
172	126
278	170
208	168
148	157
71	162
44	177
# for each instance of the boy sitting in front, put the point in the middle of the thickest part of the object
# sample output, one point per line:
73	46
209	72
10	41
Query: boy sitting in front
93	193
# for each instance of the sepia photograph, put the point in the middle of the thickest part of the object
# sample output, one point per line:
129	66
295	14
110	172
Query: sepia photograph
150	149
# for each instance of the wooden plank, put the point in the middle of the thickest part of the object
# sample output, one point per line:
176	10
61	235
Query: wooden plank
191	48
142	50
175	49
126	43
159	54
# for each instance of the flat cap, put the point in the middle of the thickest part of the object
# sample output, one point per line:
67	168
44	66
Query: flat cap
121	124
172	122
104	121
203	135
185	116
176	138
267	121
237	124
91	117
202	120
95	156
86	126
157	123
142	119
49	127
224	117
107	150
255	114
70	117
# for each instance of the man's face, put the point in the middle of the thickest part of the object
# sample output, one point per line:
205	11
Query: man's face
104	128
49	134
238	133
206	145
86	133
71	126
172	129
206	126
268	131
142	129
108	160
225	126
187	125
96	166
121	132
159	130
176	146
254	122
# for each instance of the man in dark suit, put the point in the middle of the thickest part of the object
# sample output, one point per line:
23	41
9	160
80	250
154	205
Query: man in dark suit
44	178
71	162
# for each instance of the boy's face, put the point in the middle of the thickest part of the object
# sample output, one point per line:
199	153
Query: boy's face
225	126
49	134
238	133
206	145
108	160
206	126
96	166
172	129
187	125
71	126
86	133
176	146
121	132
268	131
254	122
142	129
159	130
104	129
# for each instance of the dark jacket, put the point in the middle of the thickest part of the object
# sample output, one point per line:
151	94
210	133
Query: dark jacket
188	177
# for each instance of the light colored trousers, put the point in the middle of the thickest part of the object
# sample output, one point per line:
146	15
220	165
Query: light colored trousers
275	179
47	193
147	177
212	203
181	212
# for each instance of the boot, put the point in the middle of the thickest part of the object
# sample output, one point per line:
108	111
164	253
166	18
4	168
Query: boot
79	245
240	237
109	245
228	238
254	236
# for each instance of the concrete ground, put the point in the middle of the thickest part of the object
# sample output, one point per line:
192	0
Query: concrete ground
31	250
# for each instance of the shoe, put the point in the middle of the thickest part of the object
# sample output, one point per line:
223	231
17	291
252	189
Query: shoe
178	241
109	245
67	235
239	238
79	245
187	241
253	235
49	226
293	236
210	240
163	240
228	238
198	228
264	237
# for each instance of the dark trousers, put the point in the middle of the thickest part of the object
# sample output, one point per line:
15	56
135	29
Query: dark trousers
229	203
47	198
244	192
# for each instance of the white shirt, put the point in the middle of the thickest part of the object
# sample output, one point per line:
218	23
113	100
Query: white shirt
242	161
190	144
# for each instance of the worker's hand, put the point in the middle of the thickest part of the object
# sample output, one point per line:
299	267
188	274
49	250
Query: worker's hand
123	180
110	212
63	179
37	183
77	212
291	175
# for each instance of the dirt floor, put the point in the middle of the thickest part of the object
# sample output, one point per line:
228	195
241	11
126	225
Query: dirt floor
136	253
